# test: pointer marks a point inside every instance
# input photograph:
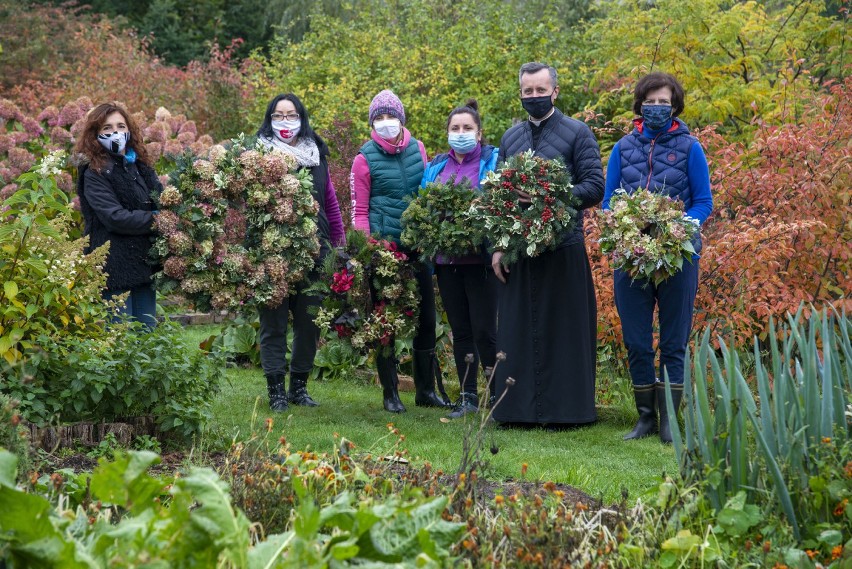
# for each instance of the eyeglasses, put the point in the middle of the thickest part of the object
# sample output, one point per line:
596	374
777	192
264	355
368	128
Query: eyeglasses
282	116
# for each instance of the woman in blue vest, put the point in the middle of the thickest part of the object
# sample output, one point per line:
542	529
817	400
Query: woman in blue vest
467	284
659	155
387	169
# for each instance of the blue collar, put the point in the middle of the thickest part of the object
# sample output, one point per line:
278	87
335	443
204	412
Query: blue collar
130	156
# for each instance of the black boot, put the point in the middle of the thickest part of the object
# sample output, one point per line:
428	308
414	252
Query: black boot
386	366
298	394
646	405
665	420
277	395
424	379
467	403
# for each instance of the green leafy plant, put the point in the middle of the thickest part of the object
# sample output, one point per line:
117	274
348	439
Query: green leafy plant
50	288
776	452
134	372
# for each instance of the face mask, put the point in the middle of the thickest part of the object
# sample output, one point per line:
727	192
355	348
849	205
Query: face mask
656	116
387	129
115	142
286	130
462	142
537	107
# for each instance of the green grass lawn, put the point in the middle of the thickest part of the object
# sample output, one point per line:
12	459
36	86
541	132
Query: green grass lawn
594	459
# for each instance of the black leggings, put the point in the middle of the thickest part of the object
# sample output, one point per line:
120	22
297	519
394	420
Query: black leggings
469	293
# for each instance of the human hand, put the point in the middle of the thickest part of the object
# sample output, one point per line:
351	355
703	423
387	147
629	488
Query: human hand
499	267
524	197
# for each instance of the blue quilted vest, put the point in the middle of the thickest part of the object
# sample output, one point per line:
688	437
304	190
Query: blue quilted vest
393	178
658	164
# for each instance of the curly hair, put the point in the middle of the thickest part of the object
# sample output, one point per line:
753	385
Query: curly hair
88	145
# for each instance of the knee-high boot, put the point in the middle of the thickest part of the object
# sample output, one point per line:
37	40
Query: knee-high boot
386	367
646	405
425	362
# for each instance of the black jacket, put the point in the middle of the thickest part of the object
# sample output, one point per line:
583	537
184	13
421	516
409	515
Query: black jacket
117	206
574	142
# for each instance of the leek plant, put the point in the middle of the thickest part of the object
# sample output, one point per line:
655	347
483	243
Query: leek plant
776	446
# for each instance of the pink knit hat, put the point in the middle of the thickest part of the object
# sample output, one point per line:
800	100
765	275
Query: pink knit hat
387	103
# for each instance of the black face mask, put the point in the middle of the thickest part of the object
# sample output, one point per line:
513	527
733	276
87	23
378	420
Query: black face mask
537	107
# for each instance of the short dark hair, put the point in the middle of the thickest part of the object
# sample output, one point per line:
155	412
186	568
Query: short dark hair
305	130
471	107
654	81
535	67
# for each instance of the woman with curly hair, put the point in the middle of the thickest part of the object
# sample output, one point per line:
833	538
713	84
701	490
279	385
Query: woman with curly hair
117	187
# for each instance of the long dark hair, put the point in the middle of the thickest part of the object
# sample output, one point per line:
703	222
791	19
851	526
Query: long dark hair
471	107
265	129
89	146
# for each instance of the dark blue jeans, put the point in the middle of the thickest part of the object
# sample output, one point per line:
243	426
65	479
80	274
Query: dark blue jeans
141	304
675	299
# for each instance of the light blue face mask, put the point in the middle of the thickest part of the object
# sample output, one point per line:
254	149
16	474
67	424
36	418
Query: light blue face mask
114	142
462	142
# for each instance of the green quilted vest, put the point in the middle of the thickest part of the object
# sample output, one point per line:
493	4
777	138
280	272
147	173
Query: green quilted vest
393	177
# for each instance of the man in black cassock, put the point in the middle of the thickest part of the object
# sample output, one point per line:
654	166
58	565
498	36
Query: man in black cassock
547	323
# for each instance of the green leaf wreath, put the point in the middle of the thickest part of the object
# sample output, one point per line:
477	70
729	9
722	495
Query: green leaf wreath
647	233
437	221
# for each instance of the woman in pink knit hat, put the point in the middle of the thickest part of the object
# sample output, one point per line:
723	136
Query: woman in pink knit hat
387	169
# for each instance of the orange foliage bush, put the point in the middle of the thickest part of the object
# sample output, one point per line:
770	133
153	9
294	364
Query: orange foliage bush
56	51
780	231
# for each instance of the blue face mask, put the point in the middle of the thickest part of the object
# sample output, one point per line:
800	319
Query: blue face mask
656	116
462	142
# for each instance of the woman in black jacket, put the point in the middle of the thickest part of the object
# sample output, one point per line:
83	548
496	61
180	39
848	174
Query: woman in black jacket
117	187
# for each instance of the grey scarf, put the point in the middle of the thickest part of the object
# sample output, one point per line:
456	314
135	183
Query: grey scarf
305	150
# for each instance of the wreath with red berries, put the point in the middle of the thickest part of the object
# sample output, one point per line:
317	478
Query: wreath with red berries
369	292
520	229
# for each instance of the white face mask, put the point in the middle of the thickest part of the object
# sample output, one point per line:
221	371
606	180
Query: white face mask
387	129
114	142
286	130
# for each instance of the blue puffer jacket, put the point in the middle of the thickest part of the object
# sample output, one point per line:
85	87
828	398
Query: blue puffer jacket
487	163
659	164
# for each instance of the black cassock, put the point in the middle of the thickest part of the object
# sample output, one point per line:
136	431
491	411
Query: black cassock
547	328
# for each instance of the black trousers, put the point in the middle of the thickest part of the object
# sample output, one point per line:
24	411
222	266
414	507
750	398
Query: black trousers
469	294
273	335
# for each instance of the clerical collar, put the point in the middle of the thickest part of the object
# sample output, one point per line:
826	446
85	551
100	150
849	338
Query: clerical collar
538	122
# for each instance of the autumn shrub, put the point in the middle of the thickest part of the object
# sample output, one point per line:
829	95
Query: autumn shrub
780	231
56	52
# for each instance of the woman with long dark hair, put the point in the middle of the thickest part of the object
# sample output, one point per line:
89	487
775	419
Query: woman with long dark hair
286	128
117	186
